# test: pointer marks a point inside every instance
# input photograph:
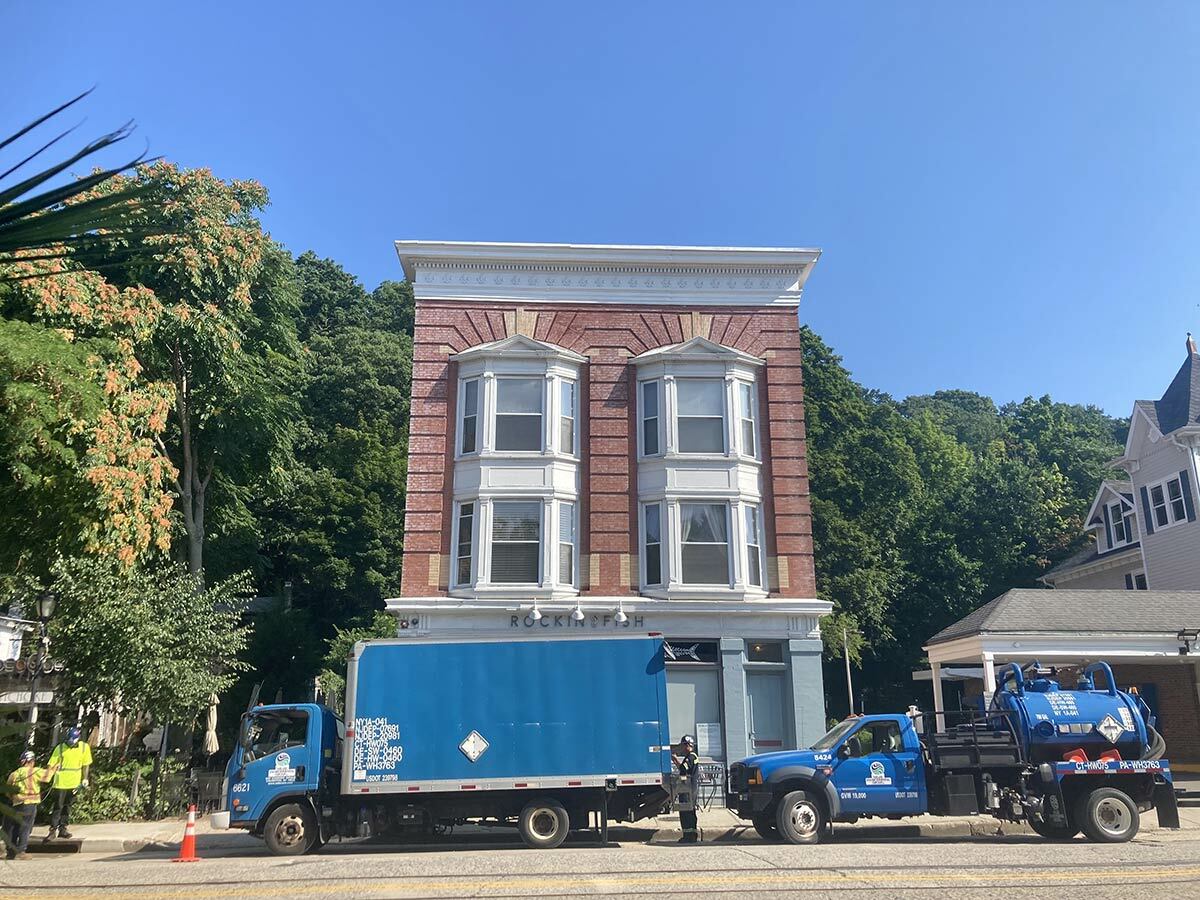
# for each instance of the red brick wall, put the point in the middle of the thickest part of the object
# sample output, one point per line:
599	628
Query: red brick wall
1178	705
609	336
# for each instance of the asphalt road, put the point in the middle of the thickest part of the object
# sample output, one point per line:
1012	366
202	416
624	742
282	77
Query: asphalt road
1152	866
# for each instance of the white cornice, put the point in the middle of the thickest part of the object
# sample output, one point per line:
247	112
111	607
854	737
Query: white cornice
604	273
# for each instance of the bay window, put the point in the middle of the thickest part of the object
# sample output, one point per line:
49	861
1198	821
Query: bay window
516	539
704	542
519	413
701	414
652	550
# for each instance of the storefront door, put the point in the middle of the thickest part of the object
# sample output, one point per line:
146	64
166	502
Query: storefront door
694	707
764	699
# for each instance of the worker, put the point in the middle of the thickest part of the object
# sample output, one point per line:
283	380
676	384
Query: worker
72	758
689	773
24	787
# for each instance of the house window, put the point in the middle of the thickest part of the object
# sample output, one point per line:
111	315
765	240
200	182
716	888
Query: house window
705	543
1166	503
753	548
519	413
466	534
516	537
1139	581
470	415
764	651
1122	524
746	418
652	514
649	418
566	417
701	415
566	543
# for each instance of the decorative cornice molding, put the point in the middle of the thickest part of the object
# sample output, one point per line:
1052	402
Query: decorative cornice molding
547	273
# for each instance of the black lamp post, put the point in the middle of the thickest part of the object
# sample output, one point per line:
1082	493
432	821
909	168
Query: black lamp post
45	609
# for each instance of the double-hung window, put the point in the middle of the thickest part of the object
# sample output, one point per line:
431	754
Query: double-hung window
701	414
566	543
470	416
704	539
466	542
650	418
1166	503
1121	523
746	417
516	539
753	548
519	413
652	524
566	418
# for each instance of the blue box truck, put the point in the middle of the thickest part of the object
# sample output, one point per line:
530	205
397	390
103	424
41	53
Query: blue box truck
540	734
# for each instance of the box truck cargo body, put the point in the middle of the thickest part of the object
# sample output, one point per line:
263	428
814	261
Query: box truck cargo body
546	735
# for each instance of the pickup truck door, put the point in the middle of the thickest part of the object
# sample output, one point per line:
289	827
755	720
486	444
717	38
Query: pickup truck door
876	773
279	752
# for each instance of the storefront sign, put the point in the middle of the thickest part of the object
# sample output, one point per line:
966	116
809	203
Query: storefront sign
595	621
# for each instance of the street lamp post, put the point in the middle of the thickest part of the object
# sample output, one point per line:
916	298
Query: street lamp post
45	609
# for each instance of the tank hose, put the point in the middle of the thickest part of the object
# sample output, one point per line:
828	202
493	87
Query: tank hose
1157	746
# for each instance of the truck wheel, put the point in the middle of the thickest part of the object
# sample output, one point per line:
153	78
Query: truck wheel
544	823
1053	832
290	830
765	826
1108	816
800	818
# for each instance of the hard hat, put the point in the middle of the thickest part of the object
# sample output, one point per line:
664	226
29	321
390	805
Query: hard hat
688	739
27	756
73	736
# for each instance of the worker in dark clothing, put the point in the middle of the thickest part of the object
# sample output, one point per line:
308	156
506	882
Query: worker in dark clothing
688	764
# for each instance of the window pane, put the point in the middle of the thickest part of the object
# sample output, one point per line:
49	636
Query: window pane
751	525
654	564
764	651
701	435
700	396
519	395
755	567
518	432
566	523
516	520
649	399
470	398
650	436
1177	508
706	563
703	522
1160	515
466	524
515	563
1173	490
566	422
468	431
566	545
1156	495
748	436
653	524
1140	581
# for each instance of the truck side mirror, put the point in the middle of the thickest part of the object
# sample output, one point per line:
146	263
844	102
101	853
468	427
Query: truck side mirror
843	751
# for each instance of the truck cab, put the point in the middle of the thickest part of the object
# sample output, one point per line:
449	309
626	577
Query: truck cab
287	755
864	765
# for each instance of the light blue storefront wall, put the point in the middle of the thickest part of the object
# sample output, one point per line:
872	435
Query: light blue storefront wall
733	683
808	689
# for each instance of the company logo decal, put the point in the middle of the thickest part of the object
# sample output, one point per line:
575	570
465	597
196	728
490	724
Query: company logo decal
878	774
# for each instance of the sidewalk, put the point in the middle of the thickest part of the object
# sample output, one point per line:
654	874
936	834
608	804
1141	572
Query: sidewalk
715	824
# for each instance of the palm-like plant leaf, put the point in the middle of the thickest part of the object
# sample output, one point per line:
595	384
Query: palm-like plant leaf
40	218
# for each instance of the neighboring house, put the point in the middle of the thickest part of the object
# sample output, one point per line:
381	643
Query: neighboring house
610	439
1144	531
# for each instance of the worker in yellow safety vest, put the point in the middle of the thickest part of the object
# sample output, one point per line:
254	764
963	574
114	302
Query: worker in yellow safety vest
72	758
24	789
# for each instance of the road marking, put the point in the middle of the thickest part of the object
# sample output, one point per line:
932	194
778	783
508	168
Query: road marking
551	884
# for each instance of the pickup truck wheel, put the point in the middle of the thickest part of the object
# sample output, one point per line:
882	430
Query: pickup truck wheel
543	823
1108	816
291	830
800	818
766	828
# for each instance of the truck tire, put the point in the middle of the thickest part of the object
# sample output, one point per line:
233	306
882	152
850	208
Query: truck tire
291	830
544	823
1108	816
800	818
766	827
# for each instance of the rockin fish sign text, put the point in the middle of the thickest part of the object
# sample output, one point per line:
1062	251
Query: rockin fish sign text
555	620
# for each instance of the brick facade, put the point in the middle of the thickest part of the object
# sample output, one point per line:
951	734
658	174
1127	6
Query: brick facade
610	336
1178	705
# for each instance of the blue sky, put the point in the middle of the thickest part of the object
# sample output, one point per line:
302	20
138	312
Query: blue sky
1006	194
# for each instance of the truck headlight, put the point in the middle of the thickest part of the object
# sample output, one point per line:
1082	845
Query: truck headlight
754	777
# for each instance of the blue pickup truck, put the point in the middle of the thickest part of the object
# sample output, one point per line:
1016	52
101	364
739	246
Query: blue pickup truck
1085	759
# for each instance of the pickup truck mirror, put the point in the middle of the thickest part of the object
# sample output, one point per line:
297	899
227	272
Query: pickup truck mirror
844	751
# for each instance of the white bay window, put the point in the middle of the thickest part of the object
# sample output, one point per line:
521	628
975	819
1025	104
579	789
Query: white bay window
519	413
700	408
704	541
516	542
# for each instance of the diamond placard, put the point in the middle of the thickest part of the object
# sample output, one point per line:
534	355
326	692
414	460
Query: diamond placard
473	746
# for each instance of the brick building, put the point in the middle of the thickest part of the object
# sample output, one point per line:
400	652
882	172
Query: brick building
612	437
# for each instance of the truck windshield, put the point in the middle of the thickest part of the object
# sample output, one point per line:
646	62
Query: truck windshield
273	730
835	734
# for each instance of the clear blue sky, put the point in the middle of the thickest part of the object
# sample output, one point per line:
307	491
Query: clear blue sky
1006	194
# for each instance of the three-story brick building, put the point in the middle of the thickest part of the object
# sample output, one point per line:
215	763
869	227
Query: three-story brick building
612	437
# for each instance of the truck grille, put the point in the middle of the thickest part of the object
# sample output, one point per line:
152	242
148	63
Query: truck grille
737	779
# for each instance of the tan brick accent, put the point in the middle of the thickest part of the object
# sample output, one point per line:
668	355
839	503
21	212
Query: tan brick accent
625	579
435	570
593	569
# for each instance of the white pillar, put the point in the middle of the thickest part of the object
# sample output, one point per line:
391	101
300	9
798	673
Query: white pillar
938	706
989	679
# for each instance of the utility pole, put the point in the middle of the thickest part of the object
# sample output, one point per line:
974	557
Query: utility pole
849	680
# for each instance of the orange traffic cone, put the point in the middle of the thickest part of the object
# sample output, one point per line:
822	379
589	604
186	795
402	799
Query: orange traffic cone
187	850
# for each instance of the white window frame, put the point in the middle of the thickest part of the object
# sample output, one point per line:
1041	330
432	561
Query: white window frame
1168	503
660	400
1140	573
541	542
567	414
1117	514
724	449
745	416
477	415
558	505
542	416
456	544
730	544
663	543
754	550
